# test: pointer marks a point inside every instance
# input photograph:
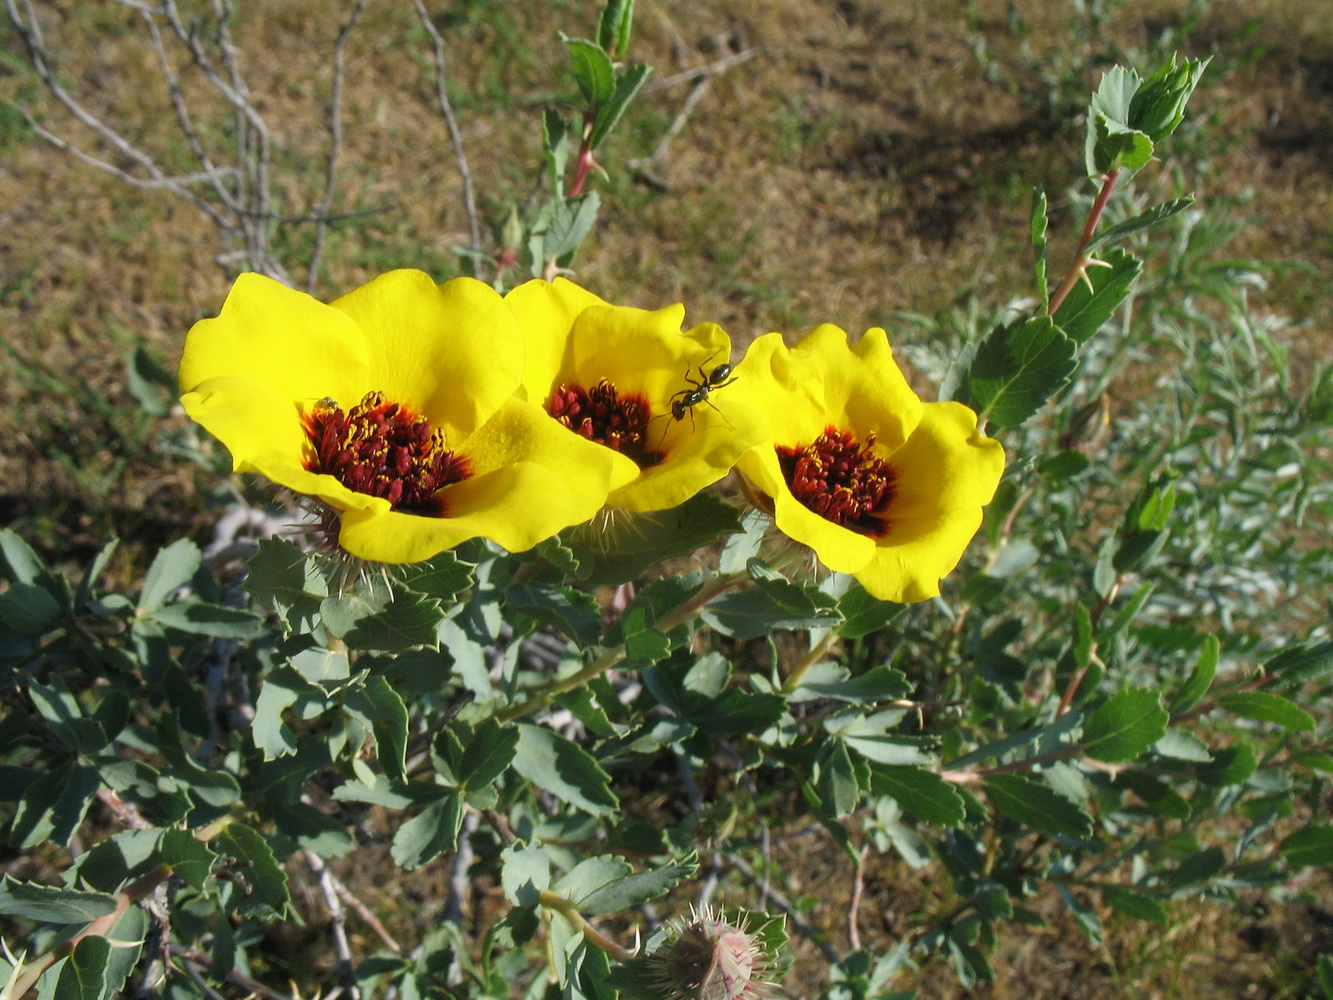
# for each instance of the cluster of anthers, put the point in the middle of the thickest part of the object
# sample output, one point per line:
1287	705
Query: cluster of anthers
383	449
840	480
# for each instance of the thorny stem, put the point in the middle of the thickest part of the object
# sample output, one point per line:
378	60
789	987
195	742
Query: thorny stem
548	693
584	163
127	897
591	934
1081	259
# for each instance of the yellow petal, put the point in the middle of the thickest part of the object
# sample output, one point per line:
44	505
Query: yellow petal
917	553
300	348
452	352
946	464
516	506
838	548
546	312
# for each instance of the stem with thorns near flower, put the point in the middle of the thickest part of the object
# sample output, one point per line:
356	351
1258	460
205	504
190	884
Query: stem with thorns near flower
1079	268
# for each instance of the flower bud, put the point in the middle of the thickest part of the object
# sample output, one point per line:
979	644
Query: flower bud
710	958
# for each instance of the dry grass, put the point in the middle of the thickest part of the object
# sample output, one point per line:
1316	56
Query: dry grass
858	164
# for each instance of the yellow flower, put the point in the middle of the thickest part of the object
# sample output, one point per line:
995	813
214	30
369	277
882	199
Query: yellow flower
878	483
658	400
393	407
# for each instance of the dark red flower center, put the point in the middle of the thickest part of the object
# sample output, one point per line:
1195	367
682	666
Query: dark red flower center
840	480
603	415
385	450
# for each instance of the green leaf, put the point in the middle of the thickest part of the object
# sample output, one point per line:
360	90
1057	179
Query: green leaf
555	145
878	684
1111	142
1300	663
1266	707
568	223
1136	905
1158	105
1182	746
83	976
524	872
1324	968
172	569
566	770
29	609
630	544
613	27
1230	766
408	621
608	115
152	386
430	833
1126	725
1201	866
64	716
773	603
593	70
632	890
51	904
863	614
487	755
1144	220
207	786
311	829
287	580
1309	848
1201	678
1038	225
922	793
197	618
573	613
189	859
380	707
1017	368
1037	805
1091	303
264	892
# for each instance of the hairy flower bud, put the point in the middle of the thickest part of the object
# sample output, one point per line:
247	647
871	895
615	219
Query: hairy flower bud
708	957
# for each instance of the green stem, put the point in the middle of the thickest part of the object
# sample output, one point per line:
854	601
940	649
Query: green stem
546	694
591	934
816	654
127	897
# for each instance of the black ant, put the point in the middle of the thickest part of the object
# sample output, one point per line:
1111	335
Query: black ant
686	400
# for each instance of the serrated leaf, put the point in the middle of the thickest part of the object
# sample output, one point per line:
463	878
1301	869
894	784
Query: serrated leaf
189	859
409	621
569	222
609	114
1144	220
1201	866
525	871
1136	905
1301	663
282	577
593	70
265	891
1125	726
52	904
566	770
487	755
207	786
613	27
863	614
631	543
1017	368
555	145
922	793
442	577
1037	805
430	833
1201	678
172	568
1037	226
773	603
1266	707
1230	766
83	976
213	620
378	706
572	612
839	791
635	889
1085	308
311	829
1309	848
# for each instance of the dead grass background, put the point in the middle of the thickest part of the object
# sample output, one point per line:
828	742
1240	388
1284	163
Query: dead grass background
858	164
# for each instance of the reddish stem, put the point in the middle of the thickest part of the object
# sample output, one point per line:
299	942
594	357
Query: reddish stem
1081	259
584	163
